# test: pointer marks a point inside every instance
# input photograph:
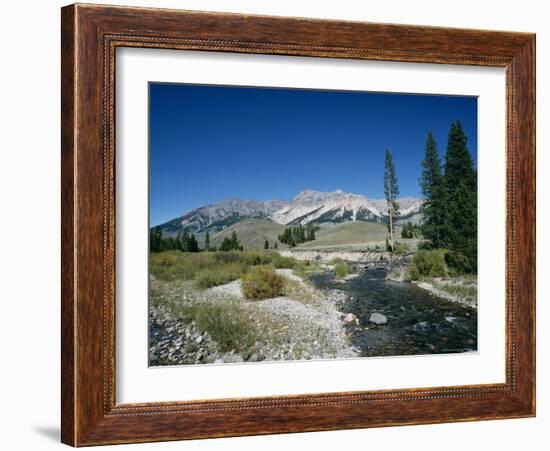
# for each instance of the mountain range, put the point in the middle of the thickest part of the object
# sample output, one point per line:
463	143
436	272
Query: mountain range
308	207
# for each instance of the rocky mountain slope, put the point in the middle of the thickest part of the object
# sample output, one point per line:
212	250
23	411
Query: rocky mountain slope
308	207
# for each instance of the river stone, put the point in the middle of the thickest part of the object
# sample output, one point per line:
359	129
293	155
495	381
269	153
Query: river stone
350	318
378	319
233	358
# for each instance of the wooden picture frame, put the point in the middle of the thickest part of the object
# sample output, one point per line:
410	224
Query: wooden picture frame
90	36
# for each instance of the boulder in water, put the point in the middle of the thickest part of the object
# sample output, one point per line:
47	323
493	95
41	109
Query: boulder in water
350	318
378	319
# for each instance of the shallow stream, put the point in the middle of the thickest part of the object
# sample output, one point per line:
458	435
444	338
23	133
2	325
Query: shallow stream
418	321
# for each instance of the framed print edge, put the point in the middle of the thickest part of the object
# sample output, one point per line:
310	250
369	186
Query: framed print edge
90	35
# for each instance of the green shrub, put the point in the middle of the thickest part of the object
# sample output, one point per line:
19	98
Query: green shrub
281	262
401	248
262	283
342	269
425	245
428	264
211	277
173	265
215	268
227	323
225	319
461	263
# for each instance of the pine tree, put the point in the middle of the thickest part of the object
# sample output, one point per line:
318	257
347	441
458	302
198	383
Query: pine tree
155	239
391	192
434	208
407	231
266	244
185	241
302	235
231	244
170	243
207	241
461	192
311	234
226	245
275	246
192	244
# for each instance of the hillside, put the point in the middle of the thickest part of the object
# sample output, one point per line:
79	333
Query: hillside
252	233
356	233
308	207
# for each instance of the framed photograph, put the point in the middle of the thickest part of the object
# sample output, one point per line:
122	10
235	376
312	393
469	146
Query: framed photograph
279	225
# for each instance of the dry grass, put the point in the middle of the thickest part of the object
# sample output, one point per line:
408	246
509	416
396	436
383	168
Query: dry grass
226	321
209	269
300	291
458	289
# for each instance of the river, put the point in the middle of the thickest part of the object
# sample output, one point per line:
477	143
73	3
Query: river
418	321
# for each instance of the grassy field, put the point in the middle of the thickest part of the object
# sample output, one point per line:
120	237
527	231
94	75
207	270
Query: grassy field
252	233
349	233
208	269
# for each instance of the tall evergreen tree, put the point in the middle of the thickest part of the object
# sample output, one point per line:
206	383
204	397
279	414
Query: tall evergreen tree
231	244
185	241
207	241
266	244
192	244
391	193
155	239
407	231
179	244
461	192
434	208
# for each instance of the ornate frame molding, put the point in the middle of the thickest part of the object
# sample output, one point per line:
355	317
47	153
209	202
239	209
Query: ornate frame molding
90	37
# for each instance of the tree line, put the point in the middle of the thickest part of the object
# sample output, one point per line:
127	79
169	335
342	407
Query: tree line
410	230
231	244
449	210
181	242
186	242
298	234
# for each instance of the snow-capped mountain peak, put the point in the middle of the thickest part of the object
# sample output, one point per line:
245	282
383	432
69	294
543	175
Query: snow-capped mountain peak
307	207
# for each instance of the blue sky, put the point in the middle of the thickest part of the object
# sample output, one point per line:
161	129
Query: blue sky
209	143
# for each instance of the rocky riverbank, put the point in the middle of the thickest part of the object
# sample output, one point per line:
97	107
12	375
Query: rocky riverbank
326	256
459	289
305	324
390	318
456	289
370	312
